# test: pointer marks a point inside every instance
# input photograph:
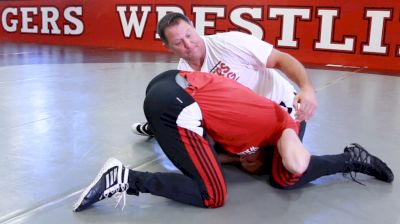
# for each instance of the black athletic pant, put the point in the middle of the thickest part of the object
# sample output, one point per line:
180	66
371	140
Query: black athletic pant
202	183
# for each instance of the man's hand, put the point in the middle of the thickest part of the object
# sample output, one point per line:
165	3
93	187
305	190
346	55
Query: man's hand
305	104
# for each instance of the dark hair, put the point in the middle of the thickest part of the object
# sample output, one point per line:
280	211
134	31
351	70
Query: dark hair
168	20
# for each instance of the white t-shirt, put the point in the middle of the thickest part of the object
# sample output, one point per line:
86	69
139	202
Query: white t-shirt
243	57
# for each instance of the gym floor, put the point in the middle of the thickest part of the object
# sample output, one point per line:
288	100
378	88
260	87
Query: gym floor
65	110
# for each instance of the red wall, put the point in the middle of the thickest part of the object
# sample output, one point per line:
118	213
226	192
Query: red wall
355	34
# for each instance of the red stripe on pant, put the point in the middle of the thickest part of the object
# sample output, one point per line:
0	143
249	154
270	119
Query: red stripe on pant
204	160
280	174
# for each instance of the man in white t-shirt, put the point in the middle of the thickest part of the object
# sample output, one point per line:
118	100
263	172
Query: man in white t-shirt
242	57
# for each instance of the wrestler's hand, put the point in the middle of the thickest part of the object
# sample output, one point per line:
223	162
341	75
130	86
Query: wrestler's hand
305	104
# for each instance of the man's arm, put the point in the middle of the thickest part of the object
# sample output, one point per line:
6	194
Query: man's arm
296	72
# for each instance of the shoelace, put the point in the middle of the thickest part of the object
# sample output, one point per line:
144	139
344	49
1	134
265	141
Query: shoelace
118	195
358	158
354	177
121	194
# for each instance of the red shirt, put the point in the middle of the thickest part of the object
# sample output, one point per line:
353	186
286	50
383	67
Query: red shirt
234	116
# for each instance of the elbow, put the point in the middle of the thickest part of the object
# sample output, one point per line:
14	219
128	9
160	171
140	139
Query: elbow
298	166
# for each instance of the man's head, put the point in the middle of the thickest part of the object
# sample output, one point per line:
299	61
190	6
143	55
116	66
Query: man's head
171	19
254	163
179	36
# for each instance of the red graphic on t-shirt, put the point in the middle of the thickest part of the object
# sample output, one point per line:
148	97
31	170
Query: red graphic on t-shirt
224	70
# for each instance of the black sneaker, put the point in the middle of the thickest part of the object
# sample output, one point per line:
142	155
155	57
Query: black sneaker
112	178
142	129
363	162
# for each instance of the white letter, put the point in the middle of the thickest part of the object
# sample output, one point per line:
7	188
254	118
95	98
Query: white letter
376	32
26	20
327	36
46	20
256	14
75	21
14	22
163	10
201	22
288	23
133	20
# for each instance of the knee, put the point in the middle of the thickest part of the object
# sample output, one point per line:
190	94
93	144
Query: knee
215	202
276	184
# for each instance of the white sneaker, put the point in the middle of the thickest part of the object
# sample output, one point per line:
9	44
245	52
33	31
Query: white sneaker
112	178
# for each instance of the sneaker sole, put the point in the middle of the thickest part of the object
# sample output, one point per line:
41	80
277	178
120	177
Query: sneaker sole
136	132
111	162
